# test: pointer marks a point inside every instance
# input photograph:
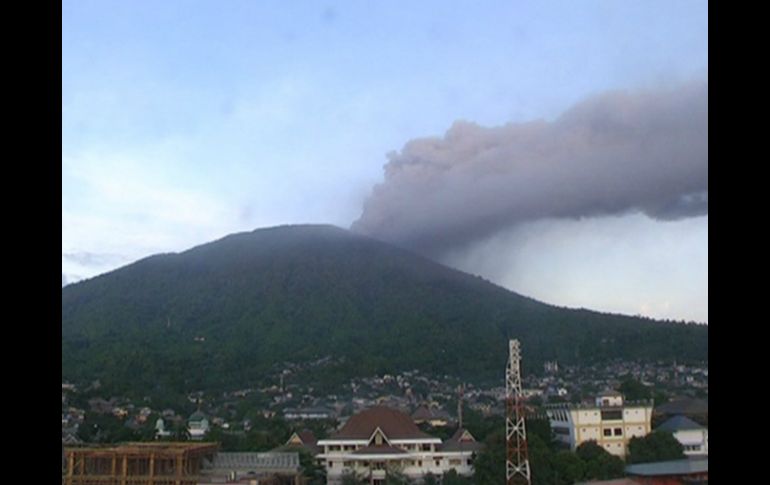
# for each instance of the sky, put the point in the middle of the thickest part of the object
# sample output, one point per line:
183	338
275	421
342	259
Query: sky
558	149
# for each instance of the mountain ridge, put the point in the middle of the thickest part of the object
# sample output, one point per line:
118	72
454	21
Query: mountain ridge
223	312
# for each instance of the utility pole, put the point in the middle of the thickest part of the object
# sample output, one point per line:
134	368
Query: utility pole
460	392
517	471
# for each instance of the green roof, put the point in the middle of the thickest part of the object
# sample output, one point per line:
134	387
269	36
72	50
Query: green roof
674	467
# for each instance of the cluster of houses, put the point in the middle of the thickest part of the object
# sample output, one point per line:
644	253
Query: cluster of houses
380	439
566	381
382	433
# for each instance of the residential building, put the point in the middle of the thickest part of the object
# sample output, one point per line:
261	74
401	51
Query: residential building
304	439
160	429
308	413
609	420
197	425
693	437
434	417
381	439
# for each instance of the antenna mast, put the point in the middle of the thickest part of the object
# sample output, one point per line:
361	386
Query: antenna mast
460	392
517	470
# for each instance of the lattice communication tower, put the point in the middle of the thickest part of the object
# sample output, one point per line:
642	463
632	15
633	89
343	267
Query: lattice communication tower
517	471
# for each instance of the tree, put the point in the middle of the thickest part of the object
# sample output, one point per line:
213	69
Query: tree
453	478
542	429
351	478
179	431
228	441
489	465
599	463
634	390
315	473
569	468
656	446
541	462
430	479
396	477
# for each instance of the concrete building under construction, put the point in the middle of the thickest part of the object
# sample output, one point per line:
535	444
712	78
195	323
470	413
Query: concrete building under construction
137	464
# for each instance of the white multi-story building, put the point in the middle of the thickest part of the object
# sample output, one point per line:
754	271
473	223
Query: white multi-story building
380	439
609	421
693	437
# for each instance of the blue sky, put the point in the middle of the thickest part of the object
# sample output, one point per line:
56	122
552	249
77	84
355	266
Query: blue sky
183	121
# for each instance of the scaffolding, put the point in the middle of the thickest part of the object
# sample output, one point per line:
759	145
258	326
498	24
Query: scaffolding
137	464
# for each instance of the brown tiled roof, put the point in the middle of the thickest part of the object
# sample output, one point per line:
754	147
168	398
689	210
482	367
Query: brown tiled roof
458	434
308	440
422	413
307	437
461	446
425	414
395	424
455	444
379	450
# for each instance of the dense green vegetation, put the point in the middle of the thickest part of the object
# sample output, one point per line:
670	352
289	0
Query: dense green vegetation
220	315
549	464
656	446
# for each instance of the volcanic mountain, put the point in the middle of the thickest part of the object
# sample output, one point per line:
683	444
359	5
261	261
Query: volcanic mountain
222	314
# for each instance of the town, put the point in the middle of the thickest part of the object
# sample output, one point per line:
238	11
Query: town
288	411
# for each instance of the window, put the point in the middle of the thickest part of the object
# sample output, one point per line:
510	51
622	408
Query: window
455	462
607	432
425	447
419	463
618	431
612	415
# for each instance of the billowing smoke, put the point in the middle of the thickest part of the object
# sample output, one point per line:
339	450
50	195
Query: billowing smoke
611	154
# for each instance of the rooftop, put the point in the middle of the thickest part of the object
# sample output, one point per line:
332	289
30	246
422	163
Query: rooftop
395	424
256	461
379	450
165	448
674	467
462	440
679	423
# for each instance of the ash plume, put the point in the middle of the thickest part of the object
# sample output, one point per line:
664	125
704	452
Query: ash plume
614	153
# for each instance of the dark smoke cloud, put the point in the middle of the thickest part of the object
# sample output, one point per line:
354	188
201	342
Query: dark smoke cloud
611	154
